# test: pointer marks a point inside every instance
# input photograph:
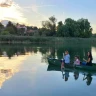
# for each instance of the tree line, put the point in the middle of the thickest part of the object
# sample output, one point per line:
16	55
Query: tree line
11	29
69	28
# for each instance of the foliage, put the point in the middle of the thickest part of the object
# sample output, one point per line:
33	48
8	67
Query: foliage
94	35
10	30
21	31
71	28
5	33
49	26
1	27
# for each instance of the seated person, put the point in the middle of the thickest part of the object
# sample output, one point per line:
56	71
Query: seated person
77	61
67	57
88	62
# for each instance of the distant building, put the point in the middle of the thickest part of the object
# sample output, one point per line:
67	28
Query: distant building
32	29
19	26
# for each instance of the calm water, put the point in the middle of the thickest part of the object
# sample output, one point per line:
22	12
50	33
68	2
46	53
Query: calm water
24	71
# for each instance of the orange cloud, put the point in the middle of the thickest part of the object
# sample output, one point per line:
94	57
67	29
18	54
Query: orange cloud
11	11
5	3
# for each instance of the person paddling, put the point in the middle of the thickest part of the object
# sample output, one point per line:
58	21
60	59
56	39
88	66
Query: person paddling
67	58
88	62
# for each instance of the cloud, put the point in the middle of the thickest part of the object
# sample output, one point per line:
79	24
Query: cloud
5	3
13	13
35	6
35	9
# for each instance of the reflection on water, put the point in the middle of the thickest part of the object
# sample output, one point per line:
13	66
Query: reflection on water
53	51
26	71
76	75
4	75
66	73
9	67
88	77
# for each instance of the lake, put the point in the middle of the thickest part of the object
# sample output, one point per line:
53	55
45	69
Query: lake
24	71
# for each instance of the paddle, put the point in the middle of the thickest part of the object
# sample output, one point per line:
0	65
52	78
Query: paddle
63	55
84	59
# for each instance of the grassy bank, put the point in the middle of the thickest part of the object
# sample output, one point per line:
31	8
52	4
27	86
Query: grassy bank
46	40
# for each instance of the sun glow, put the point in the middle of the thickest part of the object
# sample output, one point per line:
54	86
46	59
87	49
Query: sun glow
11	11
9	67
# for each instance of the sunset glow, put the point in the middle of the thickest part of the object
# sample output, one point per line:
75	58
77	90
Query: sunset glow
9	67
33	12
12	12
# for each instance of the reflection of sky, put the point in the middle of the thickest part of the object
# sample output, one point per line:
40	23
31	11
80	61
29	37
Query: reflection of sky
94	54
34	11
33	79
8	67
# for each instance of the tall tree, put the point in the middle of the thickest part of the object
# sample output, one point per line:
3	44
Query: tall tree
1	27
50	25
84	28
11	28
70	24
60	29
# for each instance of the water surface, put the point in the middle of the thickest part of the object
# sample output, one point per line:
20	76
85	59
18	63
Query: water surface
24	71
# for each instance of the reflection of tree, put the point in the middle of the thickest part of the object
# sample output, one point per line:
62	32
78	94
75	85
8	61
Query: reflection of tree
35	50
43	50
0	52
45	54
81	51
52	52
44	57
11	51
58	51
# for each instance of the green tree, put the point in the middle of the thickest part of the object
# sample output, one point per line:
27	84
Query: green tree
50	26
5	33
60	29
10	24
21	31
11	27
1	27
84	28
71	28
10	30
67	29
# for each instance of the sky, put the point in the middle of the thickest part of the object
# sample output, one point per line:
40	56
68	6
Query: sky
33	12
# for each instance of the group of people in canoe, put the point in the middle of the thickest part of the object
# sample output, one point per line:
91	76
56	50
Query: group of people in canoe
66	60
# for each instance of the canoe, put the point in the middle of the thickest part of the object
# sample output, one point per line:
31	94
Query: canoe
58	69
57	62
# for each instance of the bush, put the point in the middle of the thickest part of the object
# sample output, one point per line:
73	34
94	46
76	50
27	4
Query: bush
5	33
